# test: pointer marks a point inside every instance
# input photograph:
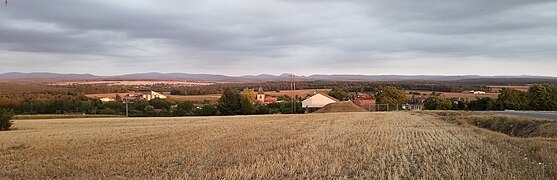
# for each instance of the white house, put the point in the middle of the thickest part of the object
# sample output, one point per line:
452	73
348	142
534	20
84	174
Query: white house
105	99
152	95
318	101
475	92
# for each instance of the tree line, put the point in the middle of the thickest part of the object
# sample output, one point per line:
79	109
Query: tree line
541	97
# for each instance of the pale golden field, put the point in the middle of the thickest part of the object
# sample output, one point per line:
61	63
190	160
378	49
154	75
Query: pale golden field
134	83
300	93
467	96
398	145
521	88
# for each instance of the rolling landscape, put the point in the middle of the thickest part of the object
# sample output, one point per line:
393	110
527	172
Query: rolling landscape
278	89
18	76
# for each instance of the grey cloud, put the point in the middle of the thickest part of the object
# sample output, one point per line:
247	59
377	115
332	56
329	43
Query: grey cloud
230	35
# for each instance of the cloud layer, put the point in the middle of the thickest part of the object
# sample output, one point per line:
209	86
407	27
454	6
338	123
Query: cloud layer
234	37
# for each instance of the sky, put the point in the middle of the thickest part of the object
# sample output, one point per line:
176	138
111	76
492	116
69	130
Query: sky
239	37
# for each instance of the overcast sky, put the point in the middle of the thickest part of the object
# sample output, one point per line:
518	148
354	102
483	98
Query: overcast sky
238	37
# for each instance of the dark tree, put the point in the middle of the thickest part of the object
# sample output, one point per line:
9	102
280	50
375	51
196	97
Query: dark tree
6	119
184	108
482	104
543	97
512	99
175	92
158	103
247	106
230	103
339	94
206	110
437	103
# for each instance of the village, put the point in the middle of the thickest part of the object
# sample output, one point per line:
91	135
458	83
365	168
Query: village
311	101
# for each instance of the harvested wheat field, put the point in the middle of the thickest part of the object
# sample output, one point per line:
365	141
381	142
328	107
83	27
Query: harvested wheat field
338	145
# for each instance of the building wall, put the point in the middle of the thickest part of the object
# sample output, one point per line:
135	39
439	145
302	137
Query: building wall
261	97
317	101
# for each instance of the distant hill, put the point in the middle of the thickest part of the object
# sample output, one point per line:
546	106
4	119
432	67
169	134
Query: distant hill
44	76
176	76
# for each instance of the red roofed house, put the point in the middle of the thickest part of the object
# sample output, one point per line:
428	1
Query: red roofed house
364	100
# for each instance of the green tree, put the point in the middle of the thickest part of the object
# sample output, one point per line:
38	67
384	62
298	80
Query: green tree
250	94
175	92
437	103
543	97
262	109
108	110
158	103
482	104
392	96
206	110
150	111
183	108
230	103
512	99
339	94
247	106
458	104
286	107
6	119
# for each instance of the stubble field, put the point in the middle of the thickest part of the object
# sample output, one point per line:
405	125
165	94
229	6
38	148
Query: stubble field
342	145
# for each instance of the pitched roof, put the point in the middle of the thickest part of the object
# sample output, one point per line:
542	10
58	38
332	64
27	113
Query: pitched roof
330	97
260	91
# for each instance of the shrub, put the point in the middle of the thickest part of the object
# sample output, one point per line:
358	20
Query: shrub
482	104
6	119
183	109
108	111
437	103
207	110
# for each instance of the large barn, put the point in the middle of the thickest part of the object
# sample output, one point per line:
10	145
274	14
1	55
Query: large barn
318	101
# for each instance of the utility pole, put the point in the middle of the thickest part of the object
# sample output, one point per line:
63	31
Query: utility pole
292	92
295	98
127	113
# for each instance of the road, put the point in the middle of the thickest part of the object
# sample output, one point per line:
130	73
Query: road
535	114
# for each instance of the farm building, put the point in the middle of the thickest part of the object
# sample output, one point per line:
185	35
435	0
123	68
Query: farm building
148	95
318	101
474	92
106	99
